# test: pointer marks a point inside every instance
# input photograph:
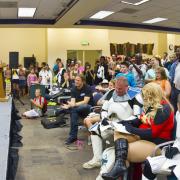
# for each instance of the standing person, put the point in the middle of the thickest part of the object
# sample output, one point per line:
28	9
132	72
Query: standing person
150	74
15	82
165	59
74	72
22	80
138	69
80	104
89	74
36	67
49	76
111	66
126	73
80	67
101	70
44	76
7	73
31	79
56	66
60	74
175	79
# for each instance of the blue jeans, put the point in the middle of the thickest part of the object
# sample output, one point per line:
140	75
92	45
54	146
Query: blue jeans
75	113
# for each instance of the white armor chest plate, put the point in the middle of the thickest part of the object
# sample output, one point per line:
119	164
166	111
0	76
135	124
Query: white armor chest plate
121	110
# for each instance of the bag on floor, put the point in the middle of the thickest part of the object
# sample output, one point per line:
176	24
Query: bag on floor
52	110
53	122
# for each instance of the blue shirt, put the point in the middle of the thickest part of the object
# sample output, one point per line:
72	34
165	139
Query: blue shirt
129	77
172	71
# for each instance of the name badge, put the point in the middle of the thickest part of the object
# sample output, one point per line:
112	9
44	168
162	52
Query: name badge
82	94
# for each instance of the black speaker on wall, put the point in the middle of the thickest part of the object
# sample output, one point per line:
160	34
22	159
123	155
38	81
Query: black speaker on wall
13	60
29	61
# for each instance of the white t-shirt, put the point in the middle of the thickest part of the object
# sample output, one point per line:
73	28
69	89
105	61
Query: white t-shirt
44	75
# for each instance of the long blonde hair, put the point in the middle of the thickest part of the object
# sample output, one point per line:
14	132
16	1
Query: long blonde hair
152	96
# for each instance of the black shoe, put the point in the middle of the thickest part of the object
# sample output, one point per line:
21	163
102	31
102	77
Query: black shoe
70	140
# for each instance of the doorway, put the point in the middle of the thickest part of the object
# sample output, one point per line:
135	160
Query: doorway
84	56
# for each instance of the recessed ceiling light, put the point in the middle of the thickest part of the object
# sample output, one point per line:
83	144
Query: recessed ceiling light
26	12
135	4
101	14
155	20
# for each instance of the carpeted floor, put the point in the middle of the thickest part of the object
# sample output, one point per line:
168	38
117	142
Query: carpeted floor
44	155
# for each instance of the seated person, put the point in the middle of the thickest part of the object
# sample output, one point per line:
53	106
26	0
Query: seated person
103	87
162	80
38	104
168	162
66	83
95	117
153	127
79	105
124	103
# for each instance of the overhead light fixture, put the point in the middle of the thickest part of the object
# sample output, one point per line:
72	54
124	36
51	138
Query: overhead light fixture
26	12
135	4
101	14
155	20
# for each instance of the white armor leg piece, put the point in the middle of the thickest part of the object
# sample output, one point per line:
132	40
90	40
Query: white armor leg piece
108	159
97	153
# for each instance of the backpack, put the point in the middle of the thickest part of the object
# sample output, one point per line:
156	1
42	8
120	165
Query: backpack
44	109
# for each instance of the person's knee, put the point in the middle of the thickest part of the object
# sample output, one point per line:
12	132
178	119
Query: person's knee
86	121
147	171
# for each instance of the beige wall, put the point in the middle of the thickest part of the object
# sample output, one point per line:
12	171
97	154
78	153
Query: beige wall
48	44
162	43
61	40
124	36
26	41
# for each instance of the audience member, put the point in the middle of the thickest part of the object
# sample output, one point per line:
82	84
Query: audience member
38	104
138	68
22	80
162	80
124	71
175	79
80	104
89	74
153	127
124	103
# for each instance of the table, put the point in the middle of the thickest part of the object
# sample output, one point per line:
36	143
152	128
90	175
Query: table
5	123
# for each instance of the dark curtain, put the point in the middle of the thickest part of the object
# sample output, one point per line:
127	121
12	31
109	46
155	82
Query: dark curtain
129	49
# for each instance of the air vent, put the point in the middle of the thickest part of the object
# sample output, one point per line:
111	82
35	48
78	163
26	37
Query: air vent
8	4
128	10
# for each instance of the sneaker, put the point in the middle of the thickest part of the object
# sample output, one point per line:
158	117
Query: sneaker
91	164
70	140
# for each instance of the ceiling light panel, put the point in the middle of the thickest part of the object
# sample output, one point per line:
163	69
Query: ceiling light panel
155	20
26	12
101	14
135	4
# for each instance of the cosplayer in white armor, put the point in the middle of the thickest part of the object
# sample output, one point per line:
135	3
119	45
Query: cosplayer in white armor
118	108
169	162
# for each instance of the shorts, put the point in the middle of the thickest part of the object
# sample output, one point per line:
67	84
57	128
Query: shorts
22	83
15	81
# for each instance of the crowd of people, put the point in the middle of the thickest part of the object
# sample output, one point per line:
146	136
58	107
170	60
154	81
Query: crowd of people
138	99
